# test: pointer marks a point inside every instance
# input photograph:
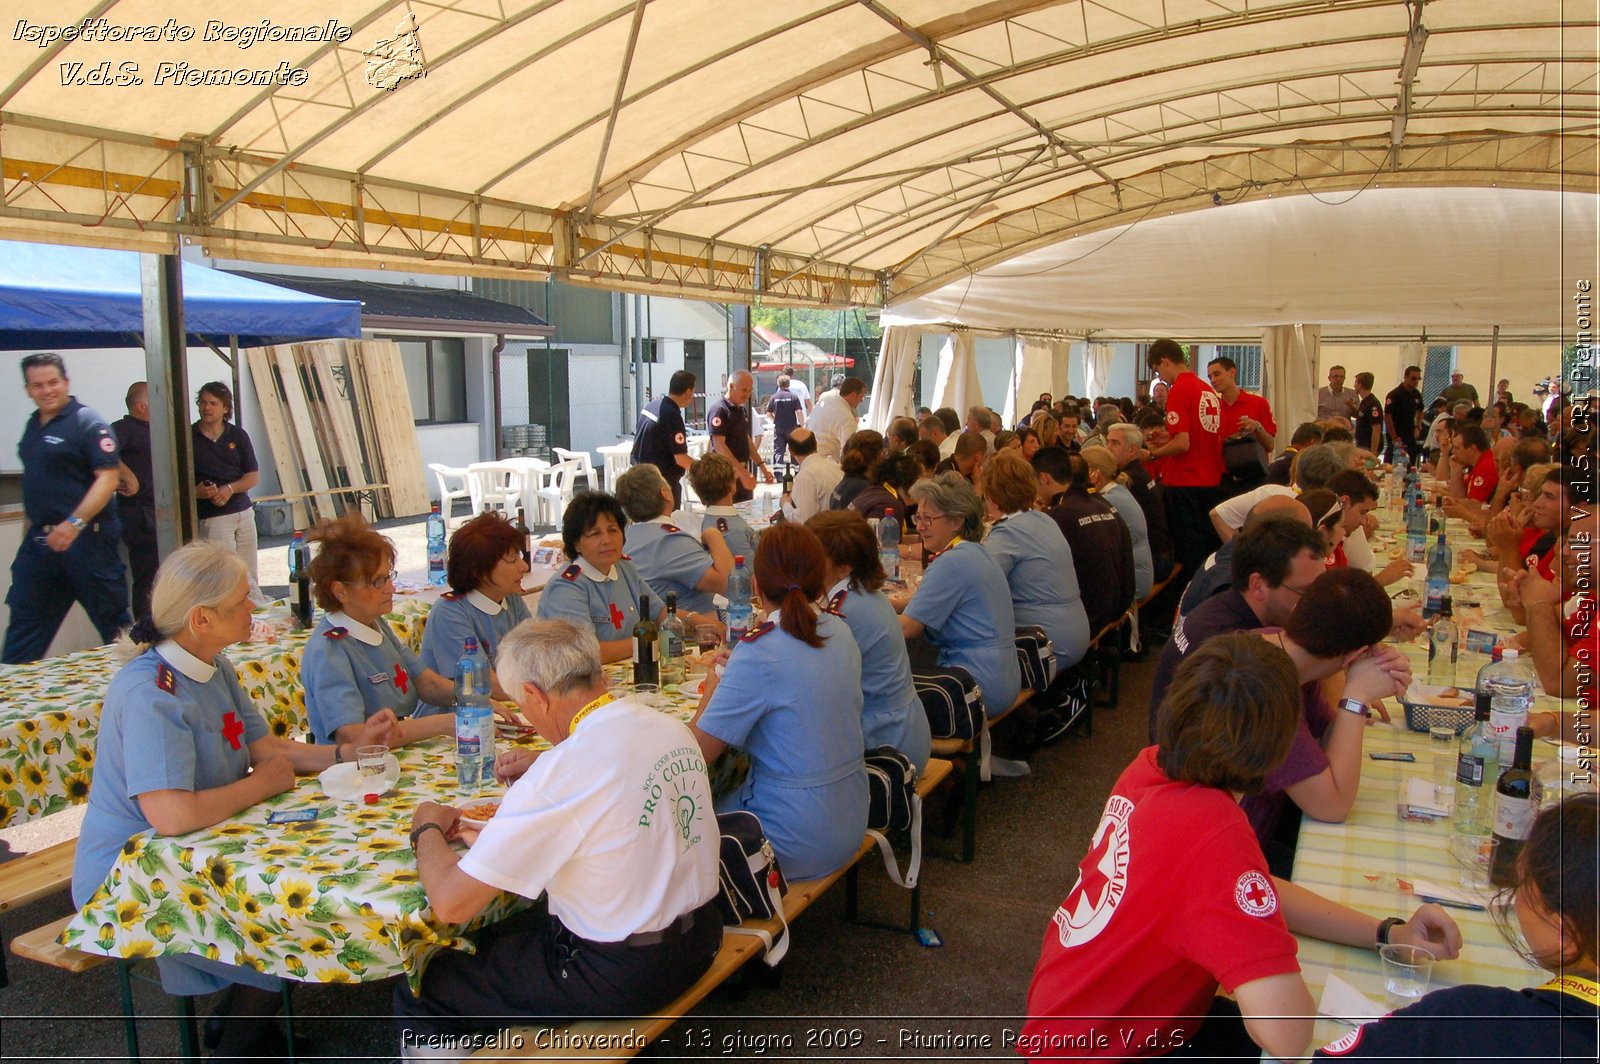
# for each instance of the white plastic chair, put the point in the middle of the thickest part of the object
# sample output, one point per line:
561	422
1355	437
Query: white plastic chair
448	495
557	491
495	486
530	474
585	465
617	458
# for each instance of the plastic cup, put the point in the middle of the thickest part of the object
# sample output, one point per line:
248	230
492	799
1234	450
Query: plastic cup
1443	744
1474	856
648	694
370	759
1407	971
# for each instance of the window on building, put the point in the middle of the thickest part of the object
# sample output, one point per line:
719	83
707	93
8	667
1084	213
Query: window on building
1248	358
436	377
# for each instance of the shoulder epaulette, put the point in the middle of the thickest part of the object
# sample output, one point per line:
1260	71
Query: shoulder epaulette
837	600
166	678
722	524
336	632
757	632
670	528
627	558
571	572
450	596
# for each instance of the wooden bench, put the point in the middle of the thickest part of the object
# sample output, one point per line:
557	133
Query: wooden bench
625	1039
33	876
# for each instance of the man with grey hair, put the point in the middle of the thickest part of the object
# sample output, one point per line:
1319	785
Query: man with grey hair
1125	442
614	826
728	423
671	560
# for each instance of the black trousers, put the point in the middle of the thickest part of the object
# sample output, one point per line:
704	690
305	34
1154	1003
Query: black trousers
139	536
1189	520
45	584
530	967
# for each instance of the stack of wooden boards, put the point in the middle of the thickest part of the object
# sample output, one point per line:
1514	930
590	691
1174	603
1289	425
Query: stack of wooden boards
338	414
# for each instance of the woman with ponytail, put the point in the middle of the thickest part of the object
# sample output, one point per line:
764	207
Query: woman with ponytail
807	781
181	747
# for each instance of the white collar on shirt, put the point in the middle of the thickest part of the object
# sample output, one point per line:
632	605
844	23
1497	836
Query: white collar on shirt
722	511
484	603
368	635
594	574
185	662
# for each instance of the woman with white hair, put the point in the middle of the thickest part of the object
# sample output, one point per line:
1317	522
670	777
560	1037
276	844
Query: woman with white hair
181	747
963	604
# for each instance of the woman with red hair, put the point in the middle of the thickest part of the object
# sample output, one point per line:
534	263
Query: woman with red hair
484	602
807	781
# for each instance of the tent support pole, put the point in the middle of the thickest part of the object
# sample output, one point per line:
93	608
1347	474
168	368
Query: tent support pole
1494	362
233	364
166	369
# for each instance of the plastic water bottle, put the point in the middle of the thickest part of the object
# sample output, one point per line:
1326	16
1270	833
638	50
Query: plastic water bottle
1477	770
1438	586
1416	529
1510	685
300	579
739	608
474	720
436	548
889	544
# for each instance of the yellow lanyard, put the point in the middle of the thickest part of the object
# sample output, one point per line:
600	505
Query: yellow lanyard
936	555
577	718
1583	989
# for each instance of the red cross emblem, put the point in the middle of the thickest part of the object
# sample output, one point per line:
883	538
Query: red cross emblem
401	680
1102	879
232	728
1254	894
1093	882
616	616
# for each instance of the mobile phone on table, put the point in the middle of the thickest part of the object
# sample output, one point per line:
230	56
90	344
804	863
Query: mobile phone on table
293	816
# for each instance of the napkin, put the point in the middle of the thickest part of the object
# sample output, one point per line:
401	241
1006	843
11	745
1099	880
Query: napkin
1425	799
1344	1002
1422	888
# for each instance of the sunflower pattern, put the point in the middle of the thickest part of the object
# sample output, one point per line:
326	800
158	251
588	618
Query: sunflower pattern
333	900
50	712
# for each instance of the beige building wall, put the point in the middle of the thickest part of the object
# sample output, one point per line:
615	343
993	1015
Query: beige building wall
1523	366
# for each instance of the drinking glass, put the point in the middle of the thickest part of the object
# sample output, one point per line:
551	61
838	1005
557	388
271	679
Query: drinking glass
707	637
370	759
1407	971
1443	745
1474	856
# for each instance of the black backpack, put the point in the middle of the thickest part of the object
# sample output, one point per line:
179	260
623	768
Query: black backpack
894	805
751	885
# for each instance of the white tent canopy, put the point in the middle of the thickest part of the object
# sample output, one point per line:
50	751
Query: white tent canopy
808	151
1412	259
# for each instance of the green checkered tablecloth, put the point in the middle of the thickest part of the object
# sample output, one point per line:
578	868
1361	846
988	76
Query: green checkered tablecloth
50	711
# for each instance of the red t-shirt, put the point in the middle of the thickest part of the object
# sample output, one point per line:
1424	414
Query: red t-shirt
1172	900
1545	561
1194	408
1251	405
1484	478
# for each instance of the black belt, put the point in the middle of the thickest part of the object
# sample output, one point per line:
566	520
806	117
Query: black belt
92	526
678	928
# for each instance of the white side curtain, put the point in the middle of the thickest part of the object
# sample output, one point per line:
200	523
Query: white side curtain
1412	353
1097	370
957	384
1033	370
892	384
1289	354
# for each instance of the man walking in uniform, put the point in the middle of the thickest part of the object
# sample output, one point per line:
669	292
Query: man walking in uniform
660	439
1402	413
729	424
138	511
69	551
1192	469
787	413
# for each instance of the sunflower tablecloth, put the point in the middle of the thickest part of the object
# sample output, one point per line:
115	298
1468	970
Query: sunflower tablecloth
336	900
50	711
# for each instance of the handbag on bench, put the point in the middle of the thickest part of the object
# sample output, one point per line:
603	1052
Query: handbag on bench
894	805
751	885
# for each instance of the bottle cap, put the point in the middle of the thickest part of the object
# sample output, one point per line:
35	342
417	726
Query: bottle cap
738	559
471	645
1509	654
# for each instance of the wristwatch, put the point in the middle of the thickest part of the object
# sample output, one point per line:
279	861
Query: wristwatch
76	522
418	831
1384	926
1352	705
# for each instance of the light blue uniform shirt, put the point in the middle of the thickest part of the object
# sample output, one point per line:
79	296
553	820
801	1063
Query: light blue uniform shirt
891	712
736	532
170	722
347	677
672	560
456	618
1127	507
964	604
1036	559
807	781
609	604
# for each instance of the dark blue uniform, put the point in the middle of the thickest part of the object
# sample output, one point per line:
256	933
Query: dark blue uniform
785	407
658	439
732	423
138	511
59	462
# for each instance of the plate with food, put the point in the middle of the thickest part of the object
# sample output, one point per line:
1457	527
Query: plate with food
480	812
692	688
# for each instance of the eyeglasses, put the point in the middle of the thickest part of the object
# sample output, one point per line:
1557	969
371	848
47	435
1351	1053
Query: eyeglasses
925	518
389	578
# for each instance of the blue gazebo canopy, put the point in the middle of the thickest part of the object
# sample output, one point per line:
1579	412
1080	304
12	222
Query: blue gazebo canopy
57	297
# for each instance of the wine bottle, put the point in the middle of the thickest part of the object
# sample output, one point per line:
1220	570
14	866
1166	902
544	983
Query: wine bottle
1516	803
527	537
645	667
